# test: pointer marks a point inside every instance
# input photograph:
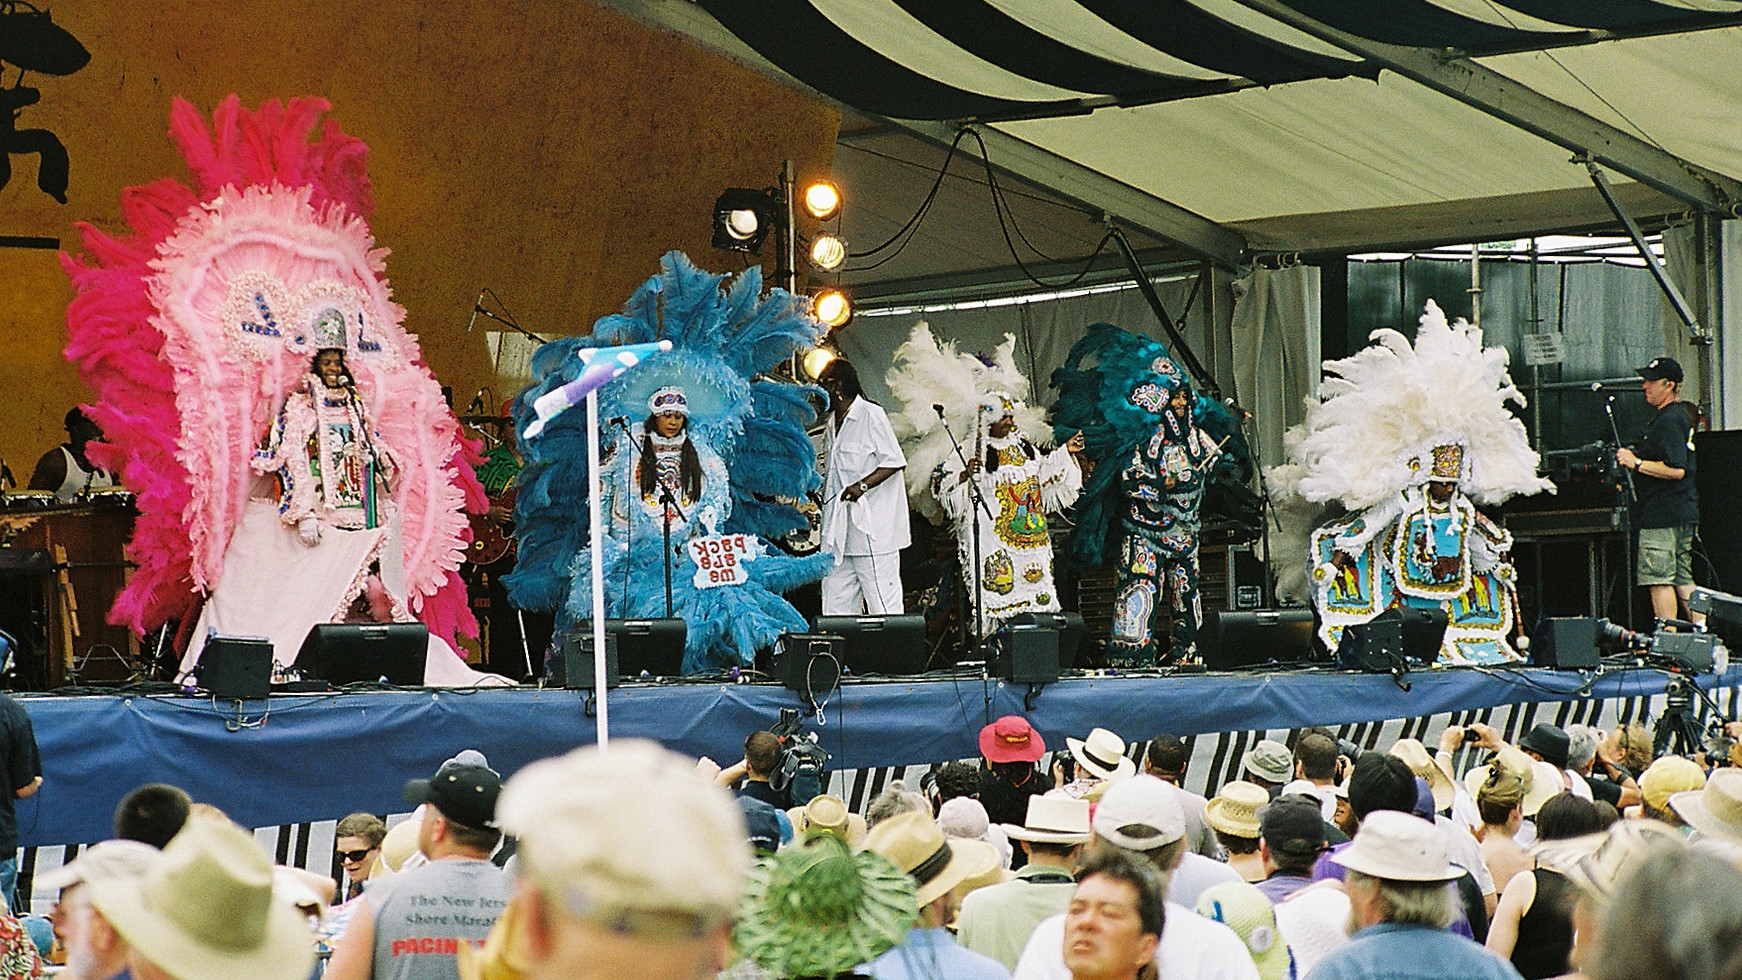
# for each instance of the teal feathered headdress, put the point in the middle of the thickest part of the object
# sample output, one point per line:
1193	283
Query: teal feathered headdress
1113	387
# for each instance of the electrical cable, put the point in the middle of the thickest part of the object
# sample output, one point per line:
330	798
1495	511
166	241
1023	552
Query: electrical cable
999	207
924	206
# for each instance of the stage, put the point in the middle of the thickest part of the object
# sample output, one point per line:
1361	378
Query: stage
307	758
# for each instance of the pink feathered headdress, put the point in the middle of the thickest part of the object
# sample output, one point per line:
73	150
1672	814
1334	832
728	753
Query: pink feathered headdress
192	329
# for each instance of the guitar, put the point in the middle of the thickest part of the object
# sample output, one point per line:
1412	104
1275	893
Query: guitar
493	538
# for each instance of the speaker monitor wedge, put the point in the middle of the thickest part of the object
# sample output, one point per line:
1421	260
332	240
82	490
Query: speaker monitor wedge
1565	643
236	668
1028	654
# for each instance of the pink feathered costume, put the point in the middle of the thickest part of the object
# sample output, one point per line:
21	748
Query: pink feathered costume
196	328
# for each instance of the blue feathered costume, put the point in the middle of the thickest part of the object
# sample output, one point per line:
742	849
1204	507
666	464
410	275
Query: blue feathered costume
1142	500
722	341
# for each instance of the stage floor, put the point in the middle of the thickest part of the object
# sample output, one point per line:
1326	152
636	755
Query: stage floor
299	758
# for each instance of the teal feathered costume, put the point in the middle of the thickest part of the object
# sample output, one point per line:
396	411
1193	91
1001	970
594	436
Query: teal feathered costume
1141	502
722	342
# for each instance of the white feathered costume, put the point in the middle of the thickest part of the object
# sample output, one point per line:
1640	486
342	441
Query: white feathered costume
1392	422
1019	482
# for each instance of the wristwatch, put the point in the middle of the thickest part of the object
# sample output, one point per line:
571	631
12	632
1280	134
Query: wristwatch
864	488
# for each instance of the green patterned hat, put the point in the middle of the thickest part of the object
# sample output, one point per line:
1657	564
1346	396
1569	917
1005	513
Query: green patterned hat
818	909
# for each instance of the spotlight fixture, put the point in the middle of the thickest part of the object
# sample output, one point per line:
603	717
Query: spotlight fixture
743	219
817	359
822	200
833	308
828	252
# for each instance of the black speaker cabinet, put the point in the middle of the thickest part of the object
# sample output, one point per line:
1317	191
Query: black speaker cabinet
577	660
1070	630
878	644
1400	635
809	663
236	669
1230	640
1028	654
1565	643
1375	646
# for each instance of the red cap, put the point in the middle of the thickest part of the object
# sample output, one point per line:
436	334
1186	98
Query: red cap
1011	739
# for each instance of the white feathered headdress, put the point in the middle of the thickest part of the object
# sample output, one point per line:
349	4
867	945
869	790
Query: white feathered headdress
927	373
1383	411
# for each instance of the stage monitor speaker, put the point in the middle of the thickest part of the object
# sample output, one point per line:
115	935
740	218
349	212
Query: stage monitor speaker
348	653
1231	640
1404	636
645	646
878	644
579	671
1027	654
1070	630
234	668
1565	643
809	663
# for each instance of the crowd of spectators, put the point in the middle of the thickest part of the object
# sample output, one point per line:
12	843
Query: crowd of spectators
1567	853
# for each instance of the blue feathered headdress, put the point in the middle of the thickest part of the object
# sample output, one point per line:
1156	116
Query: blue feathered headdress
723	339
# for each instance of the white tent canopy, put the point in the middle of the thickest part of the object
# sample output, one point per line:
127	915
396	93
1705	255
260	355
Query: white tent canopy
1223	130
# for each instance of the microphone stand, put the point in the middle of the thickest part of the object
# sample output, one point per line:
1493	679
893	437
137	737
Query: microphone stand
667	504
1632	503
980	507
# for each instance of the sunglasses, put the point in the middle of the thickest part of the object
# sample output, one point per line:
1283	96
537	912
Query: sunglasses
352	857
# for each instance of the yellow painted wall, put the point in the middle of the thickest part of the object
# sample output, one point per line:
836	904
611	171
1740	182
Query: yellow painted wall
548	149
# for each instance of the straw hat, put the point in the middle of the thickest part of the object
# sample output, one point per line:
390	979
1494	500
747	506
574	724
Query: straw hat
1596	862
1244	909
914	843
208	910
1052	820
1542	781
830	813
1668	776
503	955
1234	810
1102	755
398	847
1716	810
1398	847
1421	762
818	909
126	859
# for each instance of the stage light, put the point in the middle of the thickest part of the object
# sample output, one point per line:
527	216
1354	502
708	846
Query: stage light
743	219
822	200
816	360
828	253
833	308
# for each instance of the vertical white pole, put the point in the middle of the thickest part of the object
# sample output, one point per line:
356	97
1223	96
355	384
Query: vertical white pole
600	666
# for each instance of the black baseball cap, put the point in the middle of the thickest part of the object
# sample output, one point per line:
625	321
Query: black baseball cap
464	789
1664	368
1292	825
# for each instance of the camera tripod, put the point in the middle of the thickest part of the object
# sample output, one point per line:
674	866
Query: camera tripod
1679	729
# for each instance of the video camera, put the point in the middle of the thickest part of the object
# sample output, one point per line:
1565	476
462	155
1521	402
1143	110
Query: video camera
1696	652
803	762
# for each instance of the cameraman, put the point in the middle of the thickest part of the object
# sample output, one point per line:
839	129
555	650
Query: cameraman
1668	507
762	752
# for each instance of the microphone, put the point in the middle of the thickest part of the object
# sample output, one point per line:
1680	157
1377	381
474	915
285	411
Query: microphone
477	308
617	420
938	409
1234	407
